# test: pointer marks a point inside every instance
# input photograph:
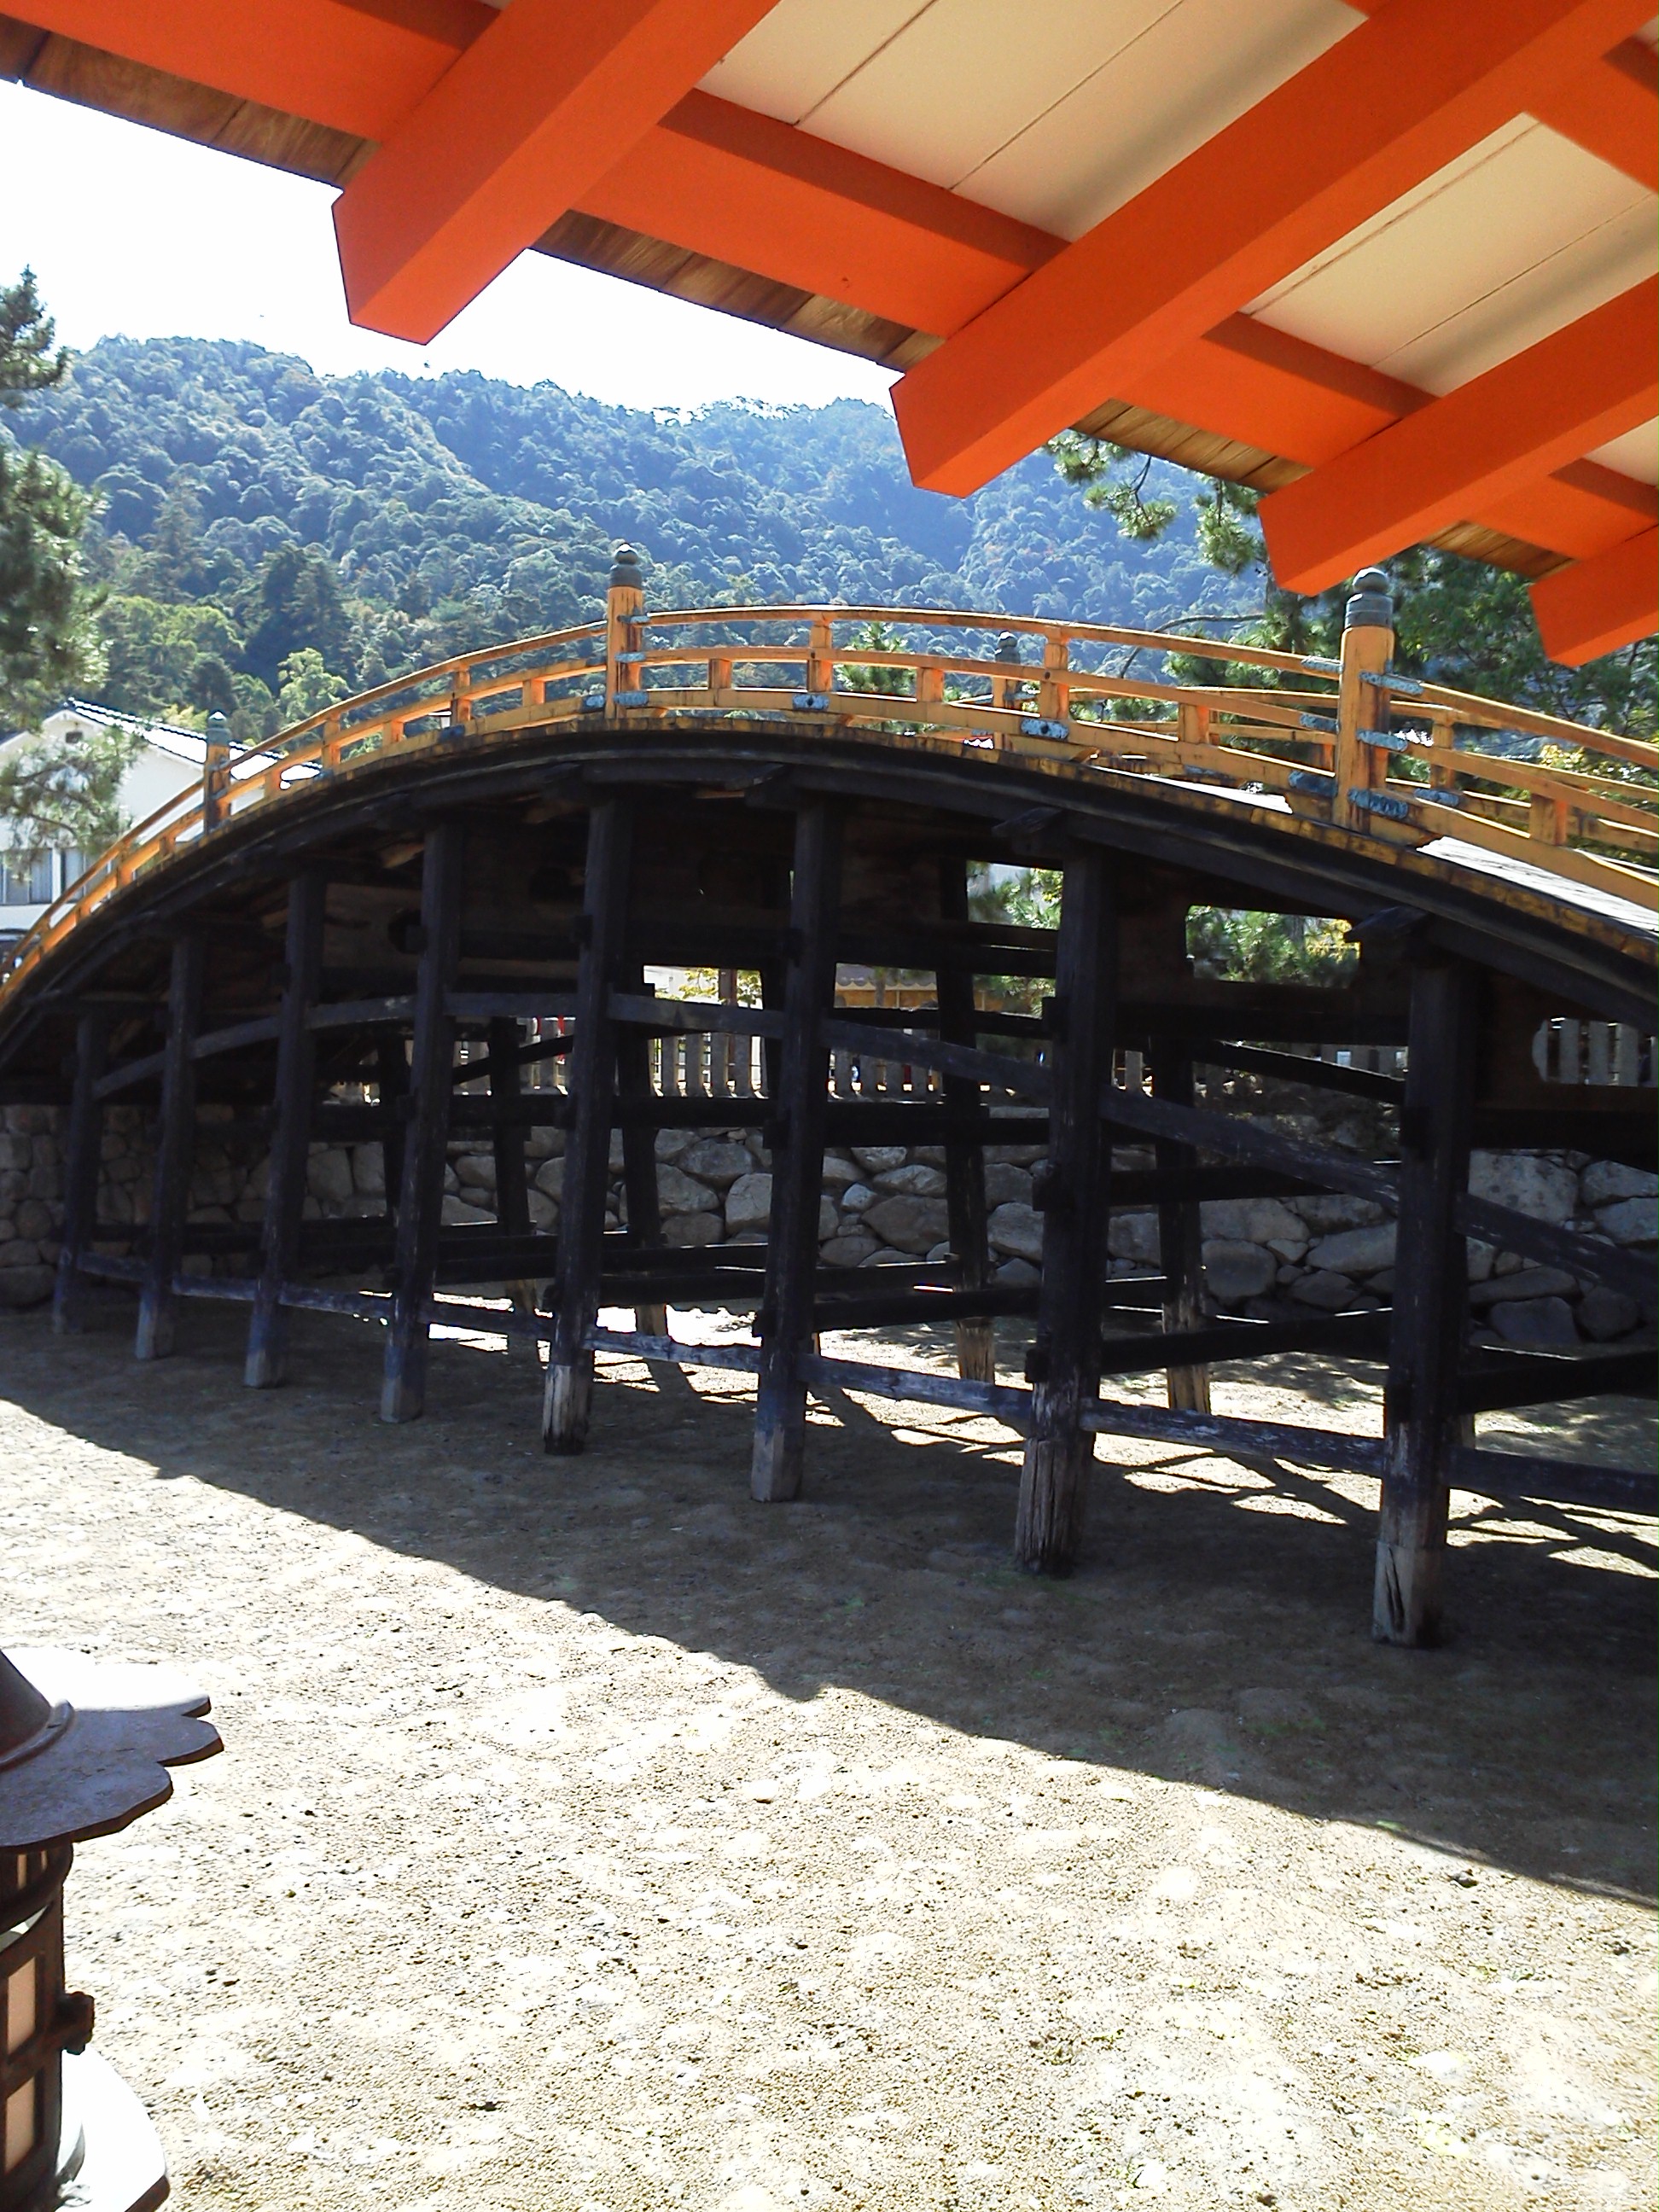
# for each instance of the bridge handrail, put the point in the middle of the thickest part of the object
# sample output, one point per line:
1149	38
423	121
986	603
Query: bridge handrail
1328	754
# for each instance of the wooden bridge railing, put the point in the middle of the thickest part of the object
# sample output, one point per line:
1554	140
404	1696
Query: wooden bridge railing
1350	742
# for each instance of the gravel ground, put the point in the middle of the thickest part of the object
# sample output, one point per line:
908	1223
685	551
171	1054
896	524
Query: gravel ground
588	1840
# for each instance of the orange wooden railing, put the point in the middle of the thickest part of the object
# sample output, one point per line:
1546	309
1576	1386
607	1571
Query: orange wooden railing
1377	755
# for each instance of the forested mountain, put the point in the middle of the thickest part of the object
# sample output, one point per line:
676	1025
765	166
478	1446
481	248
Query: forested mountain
269	538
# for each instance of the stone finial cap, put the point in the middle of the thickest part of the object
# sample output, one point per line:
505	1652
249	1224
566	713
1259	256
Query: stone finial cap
1008	646
85	1745
1371	606
218	728
625	569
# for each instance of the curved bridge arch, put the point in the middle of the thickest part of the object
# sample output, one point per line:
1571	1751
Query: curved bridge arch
512	838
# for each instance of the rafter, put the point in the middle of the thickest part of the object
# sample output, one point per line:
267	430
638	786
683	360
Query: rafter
1400	97
1596	606
531	114
745	189
354	68
1582	386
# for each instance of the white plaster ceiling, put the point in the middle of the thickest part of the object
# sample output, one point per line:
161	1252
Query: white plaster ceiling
1523	233
1056	129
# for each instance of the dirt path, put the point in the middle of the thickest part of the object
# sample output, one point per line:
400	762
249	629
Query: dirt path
590	1840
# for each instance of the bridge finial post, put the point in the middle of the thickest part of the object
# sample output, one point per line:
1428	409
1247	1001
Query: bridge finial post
624	607
216	759
1362	707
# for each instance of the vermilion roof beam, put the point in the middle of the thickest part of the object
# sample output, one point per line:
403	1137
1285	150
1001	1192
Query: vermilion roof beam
1399	98
1577	388
1596	606
360	69
536	109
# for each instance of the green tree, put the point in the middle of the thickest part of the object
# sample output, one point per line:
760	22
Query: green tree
212	687
63	792
294	601
307	687
48	644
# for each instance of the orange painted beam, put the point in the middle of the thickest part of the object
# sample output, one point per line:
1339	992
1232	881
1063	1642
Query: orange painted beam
1399	98
1579	510
1596	606
1591	381
1611	109
536	110
743	188
359	69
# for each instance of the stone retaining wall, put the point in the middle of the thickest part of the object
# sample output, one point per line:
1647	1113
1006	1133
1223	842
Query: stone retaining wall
886	1203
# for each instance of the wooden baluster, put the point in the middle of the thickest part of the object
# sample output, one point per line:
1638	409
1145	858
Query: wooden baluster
801	1104
930	692
820	657
508	1134
640	1155
1548	820
1367	650
964	1148
175	1145
591	1074
1421	1426
1053	692
1064	1363
431	1073
1180	1232
82	1157
265	1361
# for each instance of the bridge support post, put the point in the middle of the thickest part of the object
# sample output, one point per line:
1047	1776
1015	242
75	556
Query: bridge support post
175	1145
1180	1229
506	1145
83	1153
392	1081
266	1361
964	1153
1064	1362
420	1207
591	1073
785	1321
1421	1422
639	1145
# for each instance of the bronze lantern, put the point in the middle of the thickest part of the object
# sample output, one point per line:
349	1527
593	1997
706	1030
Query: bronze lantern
84	1749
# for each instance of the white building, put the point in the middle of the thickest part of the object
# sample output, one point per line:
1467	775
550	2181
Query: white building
169	759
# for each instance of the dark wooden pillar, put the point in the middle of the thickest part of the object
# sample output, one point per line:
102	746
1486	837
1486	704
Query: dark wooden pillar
175	1145
392	1081
420	1206
83	1153
1065	1360
1180	1231
591	1075
964	1154
266	1362
639	1142
799	1108
506	1145
1430	1293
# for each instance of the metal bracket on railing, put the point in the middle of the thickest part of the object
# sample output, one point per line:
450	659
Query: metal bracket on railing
810	702
1388	741
1311	780
1036	726
1326	723
1381	802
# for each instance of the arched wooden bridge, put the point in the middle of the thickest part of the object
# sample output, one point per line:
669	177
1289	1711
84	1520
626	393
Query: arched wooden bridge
493	852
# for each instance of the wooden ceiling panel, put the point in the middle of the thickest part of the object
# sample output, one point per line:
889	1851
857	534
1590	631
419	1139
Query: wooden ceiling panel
1636	454
1517	237
1189	70
796	56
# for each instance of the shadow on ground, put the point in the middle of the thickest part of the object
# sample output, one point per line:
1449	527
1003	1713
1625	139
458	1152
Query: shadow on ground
1217	1631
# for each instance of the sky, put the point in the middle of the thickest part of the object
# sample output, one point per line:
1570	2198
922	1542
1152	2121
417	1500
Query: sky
135	232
